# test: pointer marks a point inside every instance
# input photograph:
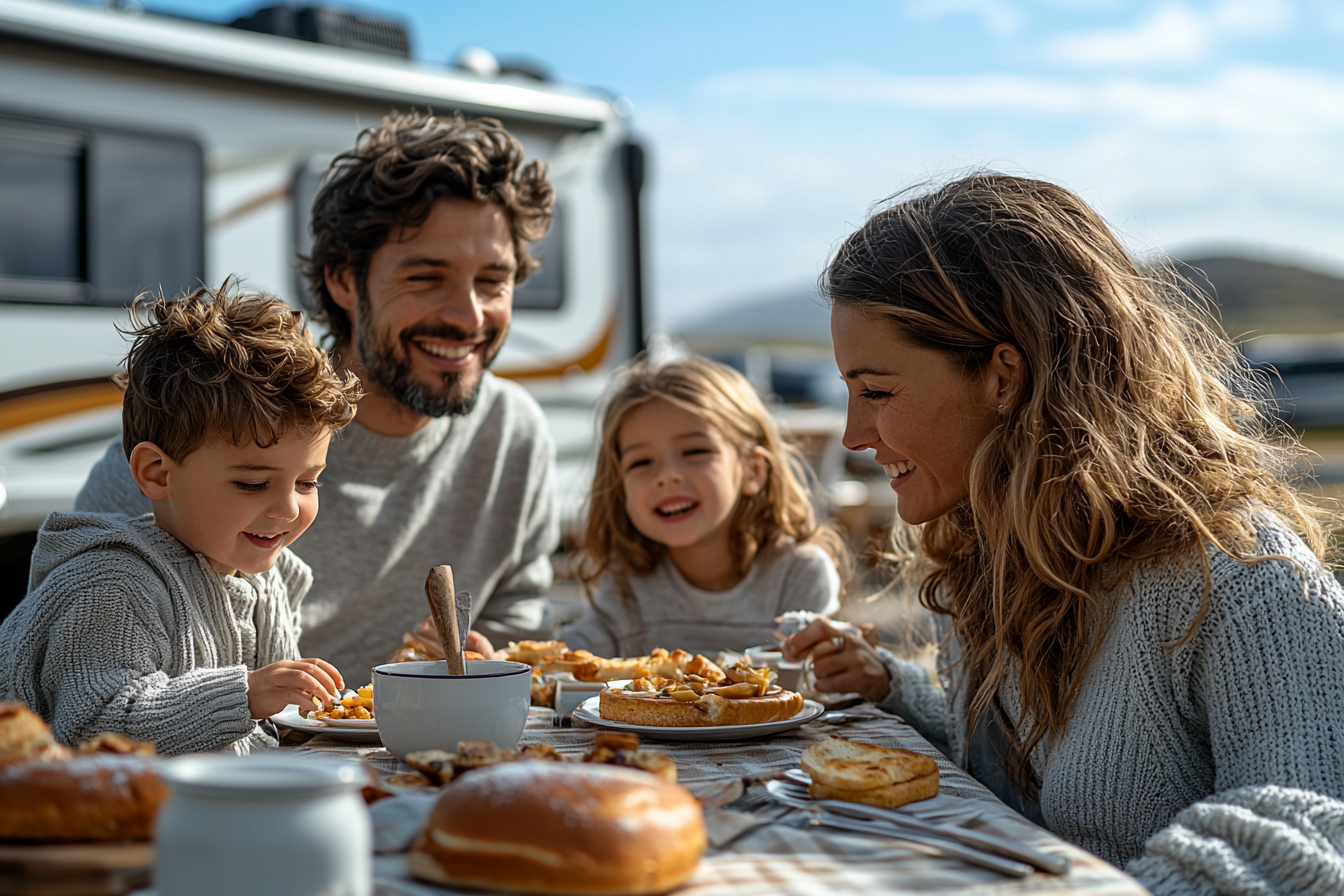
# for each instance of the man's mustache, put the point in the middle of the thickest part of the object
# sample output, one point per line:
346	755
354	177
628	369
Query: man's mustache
486	333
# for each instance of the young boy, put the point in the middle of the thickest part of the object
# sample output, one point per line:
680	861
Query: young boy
181	627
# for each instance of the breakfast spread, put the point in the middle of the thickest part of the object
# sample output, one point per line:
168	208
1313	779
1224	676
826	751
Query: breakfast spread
741	694
666	688
550	827
359	706
109	790
856	772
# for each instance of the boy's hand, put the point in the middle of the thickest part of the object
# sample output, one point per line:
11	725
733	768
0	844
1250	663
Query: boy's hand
310	683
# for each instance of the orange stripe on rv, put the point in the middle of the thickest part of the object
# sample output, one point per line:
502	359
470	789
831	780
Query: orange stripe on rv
586	362
23	407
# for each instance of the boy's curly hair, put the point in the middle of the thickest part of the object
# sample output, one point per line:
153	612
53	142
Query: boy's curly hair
221	364
391	180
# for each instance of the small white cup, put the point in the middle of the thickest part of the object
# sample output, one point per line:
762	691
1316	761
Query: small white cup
419	706
263	825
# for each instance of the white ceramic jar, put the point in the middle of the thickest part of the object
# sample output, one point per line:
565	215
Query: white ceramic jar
263	825
419	706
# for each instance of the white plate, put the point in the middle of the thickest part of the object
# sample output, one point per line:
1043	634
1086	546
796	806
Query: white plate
365	733
588	712
356	724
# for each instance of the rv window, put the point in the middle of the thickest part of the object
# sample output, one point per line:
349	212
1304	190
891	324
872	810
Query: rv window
545	290
89	216
145	214
41	198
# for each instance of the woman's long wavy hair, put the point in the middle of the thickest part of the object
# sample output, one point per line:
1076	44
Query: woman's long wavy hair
723	398
1132	439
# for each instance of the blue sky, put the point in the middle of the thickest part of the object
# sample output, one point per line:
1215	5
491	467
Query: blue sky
774	126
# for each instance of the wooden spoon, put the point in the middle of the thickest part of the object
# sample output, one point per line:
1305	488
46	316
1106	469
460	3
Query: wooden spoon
443	607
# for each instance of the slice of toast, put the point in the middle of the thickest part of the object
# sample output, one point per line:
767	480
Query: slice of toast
840	764
891	796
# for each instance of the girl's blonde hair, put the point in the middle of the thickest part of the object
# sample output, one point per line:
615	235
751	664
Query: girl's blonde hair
722	397
1132	439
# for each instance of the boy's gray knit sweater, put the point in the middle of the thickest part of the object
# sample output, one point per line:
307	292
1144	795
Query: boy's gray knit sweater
1215	766
125	629
473	491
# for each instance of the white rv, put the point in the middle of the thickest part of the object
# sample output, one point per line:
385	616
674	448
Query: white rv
143	152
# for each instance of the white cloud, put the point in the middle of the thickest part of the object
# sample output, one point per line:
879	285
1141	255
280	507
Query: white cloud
1233	100
759	174
1172	35
999	16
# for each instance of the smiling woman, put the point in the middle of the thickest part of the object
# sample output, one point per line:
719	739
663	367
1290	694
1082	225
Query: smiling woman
1138	620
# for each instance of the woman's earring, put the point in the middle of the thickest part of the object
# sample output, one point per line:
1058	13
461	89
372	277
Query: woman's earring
1002	407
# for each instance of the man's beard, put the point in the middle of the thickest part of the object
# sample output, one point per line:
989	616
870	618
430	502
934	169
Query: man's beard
387	361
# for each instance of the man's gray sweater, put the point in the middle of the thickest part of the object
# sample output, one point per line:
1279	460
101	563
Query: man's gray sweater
124	629
473	491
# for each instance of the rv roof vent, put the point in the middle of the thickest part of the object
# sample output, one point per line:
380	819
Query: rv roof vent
333	26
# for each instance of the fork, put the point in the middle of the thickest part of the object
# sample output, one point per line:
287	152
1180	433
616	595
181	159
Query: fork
973	839
948	848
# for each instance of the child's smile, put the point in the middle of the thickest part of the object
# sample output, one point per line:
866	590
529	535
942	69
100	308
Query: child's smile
683	479
673	509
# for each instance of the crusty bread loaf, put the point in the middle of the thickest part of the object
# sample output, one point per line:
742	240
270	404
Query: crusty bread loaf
561	828
23	736
709	710
856	772
96	796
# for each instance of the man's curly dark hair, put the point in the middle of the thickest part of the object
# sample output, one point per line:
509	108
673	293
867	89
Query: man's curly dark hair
393	176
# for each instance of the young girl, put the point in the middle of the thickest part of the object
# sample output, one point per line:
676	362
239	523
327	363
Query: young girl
700	531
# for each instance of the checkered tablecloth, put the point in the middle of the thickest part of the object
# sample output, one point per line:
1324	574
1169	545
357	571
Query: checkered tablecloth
759	847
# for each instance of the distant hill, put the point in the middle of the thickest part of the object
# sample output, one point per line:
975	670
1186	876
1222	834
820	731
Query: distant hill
1263	297
1252	297
796	318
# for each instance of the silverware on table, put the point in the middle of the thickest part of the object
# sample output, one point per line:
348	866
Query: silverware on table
943	846
791	793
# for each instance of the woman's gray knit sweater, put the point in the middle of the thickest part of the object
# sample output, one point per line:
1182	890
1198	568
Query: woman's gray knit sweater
125	629
1216	766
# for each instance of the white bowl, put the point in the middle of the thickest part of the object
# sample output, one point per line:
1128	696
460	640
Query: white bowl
419	706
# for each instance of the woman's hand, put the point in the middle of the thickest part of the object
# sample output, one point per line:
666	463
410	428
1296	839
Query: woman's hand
310	683
841	660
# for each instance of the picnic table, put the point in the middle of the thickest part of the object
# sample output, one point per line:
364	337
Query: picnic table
760	847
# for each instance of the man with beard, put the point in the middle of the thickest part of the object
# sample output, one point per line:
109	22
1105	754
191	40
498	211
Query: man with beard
419	241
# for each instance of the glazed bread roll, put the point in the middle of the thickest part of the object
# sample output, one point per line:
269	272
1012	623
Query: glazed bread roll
560	828
94	796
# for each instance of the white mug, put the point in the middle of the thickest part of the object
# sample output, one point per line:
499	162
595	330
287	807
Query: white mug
263	825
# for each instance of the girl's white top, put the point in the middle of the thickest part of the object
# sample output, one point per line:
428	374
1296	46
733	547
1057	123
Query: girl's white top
664	610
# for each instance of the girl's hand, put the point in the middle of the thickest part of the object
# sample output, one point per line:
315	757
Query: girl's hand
841	660
310	683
